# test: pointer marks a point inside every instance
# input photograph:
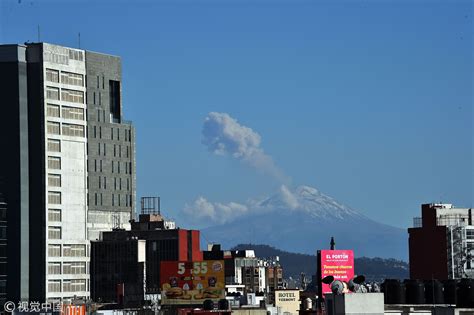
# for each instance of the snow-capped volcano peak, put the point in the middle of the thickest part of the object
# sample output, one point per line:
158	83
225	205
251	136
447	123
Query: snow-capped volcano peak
306	199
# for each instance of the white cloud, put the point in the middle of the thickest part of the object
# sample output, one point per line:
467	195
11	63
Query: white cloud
215	212
223	135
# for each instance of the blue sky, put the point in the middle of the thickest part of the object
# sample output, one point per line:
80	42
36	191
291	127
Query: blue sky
369	101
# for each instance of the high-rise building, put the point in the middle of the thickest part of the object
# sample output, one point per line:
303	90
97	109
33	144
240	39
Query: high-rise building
68	166
441	243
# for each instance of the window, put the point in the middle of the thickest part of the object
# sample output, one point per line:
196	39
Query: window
72	78
52	75
52	110
54	285
54	268
3	232
76	55
54	250
74	268
52	93
74	285
54	145
54	232
74	251
54	180
470	234
128	151
73	113
53	128
73	130
54	215
114	99
120	150
54	162
54	197
72	96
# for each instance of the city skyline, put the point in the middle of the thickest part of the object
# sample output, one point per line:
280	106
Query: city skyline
383	118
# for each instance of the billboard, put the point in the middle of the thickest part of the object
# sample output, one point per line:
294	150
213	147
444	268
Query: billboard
288	301
192	282
336	263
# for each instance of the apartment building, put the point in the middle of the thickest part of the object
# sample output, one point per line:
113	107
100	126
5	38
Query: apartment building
70	168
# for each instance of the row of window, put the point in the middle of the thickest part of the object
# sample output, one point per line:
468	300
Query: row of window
114	133
102	150
73	130
66	77
73	96
54	197
54	232
117	200
54	162
117	183
69	268
54	180
54	215
69	250
68	112
127	166
74	285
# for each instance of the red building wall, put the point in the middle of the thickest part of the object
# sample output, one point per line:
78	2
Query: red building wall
189	245
196	246
183	245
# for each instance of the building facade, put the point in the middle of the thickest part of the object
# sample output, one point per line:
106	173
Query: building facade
161	244
69	145
441	245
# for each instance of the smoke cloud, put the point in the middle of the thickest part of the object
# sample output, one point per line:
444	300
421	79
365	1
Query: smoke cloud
223	135
203	210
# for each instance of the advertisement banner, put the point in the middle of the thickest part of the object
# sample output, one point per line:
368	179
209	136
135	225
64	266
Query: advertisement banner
336	263
185	282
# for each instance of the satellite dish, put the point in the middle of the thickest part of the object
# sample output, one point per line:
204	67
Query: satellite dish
337	287
359	279
327	280
353	286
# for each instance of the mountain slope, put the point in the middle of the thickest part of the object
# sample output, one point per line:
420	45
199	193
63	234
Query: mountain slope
374	269
304	220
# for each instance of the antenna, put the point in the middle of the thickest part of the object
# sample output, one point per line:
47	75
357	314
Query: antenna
116	225
39	34
79	39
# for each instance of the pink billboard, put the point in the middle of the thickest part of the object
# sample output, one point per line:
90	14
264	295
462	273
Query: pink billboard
336	263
